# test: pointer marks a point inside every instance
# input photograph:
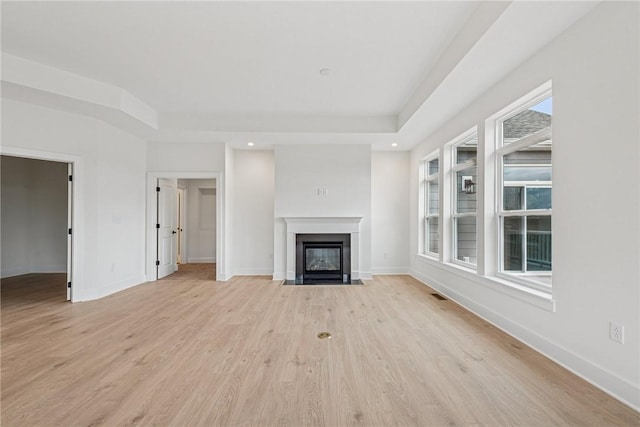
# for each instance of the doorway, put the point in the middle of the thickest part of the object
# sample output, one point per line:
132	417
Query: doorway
185	218
37	226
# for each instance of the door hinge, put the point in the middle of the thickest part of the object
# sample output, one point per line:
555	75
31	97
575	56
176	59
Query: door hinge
69	285
69	231
70	178
157	225
157	262
158	189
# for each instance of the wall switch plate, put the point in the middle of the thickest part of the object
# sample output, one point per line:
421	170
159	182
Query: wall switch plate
616	332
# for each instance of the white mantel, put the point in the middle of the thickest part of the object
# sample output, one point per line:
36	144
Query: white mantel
323	225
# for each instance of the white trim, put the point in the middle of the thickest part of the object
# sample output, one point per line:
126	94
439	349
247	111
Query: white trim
13	271
467	265
365	275
530	212
600	377
254	272
425	207
112	288
500	150
60	268
524	142
77	210
530	99
152	178
453	215
390	271
322	225
527	279
523	293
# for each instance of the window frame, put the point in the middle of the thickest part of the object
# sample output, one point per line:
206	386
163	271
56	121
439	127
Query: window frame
427	215
456	167
527	278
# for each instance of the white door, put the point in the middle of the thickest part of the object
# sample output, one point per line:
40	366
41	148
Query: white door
181	225
166	226
70	227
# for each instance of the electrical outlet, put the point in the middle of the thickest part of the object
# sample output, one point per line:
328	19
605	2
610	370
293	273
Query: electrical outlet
616	332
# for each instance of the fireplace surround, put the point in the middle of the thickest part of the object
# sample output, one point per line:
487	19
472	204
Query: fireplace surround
342	233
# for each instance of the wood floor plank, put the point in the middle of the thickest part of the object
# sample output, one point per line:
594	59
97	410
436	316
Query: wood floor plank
187	350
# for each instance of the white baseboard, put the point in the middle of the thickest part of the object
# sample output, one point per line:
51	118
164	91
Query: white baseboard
13	271
366	275
201	260
254	272
94	294
390	271
19	271
224	276
49	268
600	377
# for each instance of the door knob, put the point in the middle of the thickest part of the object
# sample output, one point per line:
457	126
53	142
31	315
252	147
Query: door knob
173	232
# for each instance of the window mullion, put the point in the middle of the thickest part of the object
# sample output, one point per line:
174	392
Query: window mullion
525	142
525	245
535	212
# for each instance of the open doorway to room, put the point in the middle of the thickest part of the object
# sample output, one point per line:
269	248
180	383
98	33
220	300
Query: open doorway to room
185	221
36	212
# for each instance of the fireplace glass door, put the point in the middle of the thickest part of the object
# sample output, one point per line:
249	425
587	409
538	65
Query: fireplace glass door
323	261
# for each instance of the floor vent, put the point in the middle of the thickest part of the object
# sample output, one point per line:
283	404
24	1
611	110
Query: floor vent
438	296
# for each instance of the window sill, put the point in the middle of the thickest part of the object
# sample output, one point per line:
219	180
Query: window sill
518	291
432	256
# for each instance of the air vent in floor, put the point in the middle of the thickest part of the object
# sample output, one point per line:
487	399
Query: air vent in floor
438	296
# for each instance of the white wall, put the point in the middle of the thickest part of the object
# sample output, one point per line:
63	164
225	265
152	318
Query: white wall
594	66
254	177
201	220
345	170
109	182
185	157
34	216
390	212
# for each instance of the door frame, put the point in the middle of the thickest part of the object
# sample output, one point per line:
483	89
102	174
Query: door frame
182	226
152	207
74	209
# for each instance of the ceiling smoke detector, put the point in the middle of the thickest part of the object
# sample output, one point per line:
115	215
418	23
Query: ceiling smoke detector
324	72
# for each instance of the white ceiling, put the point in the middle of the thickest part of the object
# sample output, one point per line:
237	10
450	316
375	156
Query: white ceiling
239	71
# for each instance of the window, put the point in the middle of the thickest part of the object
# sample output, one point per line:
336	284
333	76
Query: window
431	205
525	186
485	199
464	212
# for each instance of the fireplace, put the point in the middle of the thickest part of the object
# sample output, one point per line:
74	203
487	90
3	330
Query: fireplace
326	230
323	258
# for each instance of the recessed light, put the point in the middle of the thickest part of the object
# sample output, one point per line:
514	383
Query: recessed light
325	72
395	144
250	144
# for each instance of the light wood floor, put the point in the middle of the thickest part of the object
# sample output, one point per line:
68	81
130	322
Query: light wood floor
187	352
193	271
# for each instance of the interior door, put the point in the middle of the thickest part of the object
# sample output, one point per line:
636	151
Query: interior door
166	227
181	225
70	228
